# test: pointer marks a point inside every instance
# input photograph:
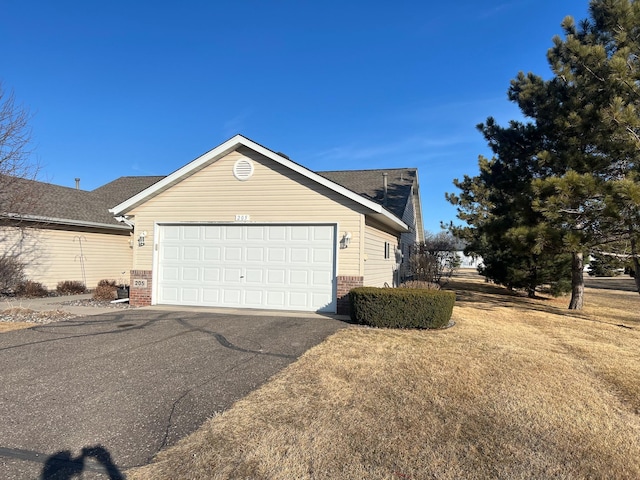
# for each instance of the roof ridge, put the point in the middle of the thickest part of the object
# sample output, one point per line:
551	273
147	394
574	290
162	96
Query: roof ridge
368	170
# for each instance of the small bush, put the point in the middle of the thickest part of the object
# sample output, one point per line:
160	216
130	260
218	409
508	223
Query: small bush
420	284
401	307
70	287
107	283
105	292
31	289
11	273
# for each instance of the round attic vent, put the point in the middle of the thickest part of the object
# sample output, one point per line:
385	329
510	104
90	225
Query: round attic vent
243	169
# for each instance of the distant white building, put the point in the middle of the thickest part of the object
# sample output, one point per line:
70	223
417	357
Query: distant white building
467	261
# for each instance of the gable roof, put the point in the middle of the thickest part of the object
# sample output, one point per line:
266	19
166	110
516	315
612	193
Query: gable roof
122	188
48	203
376	209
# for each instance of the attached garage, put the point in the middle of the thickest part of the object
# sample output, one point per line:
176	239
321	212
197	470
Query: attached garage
245	227
284	267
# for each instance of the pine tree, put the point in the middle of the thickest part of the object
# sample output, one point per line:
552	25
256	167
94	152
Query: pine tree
583	163
497	207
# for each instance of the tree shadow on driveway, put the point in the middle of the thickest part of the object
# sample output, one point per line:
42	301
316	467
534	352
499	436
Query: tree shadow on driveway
63	466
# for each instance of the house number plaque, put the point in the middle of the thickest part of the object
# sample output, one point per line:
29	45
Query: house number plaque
140	283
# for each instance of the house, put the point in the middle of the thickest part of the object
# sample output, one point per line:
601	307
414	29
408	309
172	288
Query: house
62	233
244	226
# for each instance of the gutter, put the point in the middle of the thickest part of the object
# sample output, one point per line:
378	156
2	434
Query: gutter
65	221
126	221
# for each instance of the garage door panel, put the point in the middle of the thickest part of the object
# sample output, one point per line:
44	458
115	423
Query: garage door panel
191	233
170	253
170	233
169	273
276	298
232	233
232	254
190	274
255	254
231	296
321	255
276	276
298	277
276	233
299	255
210	296
253	298
255	233
170	294
322	299
254	275
320	278
191	253
322	233
276	254
258	266
299	300
189	295
211	254
300	233
232	274
212	232
211	274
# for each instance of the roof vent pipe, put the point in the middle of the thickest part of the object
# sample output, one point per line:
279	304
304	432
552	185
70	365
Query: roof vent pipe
385	188
77	183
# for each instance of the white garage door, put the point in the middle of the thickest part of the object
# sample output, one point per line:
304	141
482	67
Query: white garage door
289	267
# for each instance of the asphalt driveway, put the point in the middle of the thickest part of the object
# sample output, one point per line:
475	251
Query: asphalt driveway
101	394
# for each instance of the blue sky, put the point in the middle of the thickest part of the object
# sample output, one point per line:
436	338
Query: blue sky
142	88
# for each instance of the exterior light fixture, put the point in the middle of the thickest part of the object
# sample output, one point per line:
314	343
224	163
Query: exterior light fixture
141	239
346	240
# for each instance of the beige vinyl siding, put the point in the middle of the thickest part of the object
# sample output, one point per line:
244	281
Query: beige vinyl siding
378	270
274	194
54	255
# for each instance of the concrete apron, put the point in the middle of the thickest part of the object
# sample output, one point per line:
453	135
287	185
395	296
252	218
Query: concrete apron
247	312
58	303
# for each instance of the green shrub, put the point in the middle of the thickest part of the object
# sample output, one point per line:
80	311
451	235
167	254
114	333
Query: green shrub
70	287
31	289
401	307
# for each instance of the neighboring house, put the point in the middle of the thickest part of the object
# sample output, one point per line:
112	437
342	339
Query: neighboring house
243	226
62	233
467	261
240	226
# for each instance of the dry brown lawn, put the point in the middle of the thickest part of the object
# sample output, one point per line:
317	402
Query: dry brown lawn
8	326
519	388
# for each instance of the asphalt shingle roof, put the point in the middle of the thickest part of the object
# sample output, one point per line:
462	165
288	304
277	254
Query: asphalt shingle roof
63	204
123	188
369	184
46	200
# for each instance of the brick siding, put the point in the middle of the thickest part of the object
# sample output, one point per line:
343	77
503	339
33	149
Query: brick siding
140	296
344	284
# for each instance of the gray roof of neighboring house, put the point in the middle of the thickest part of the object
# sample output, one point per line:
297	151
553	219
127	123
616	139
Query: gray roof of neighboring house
57	204
123	188
369	184
46	202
